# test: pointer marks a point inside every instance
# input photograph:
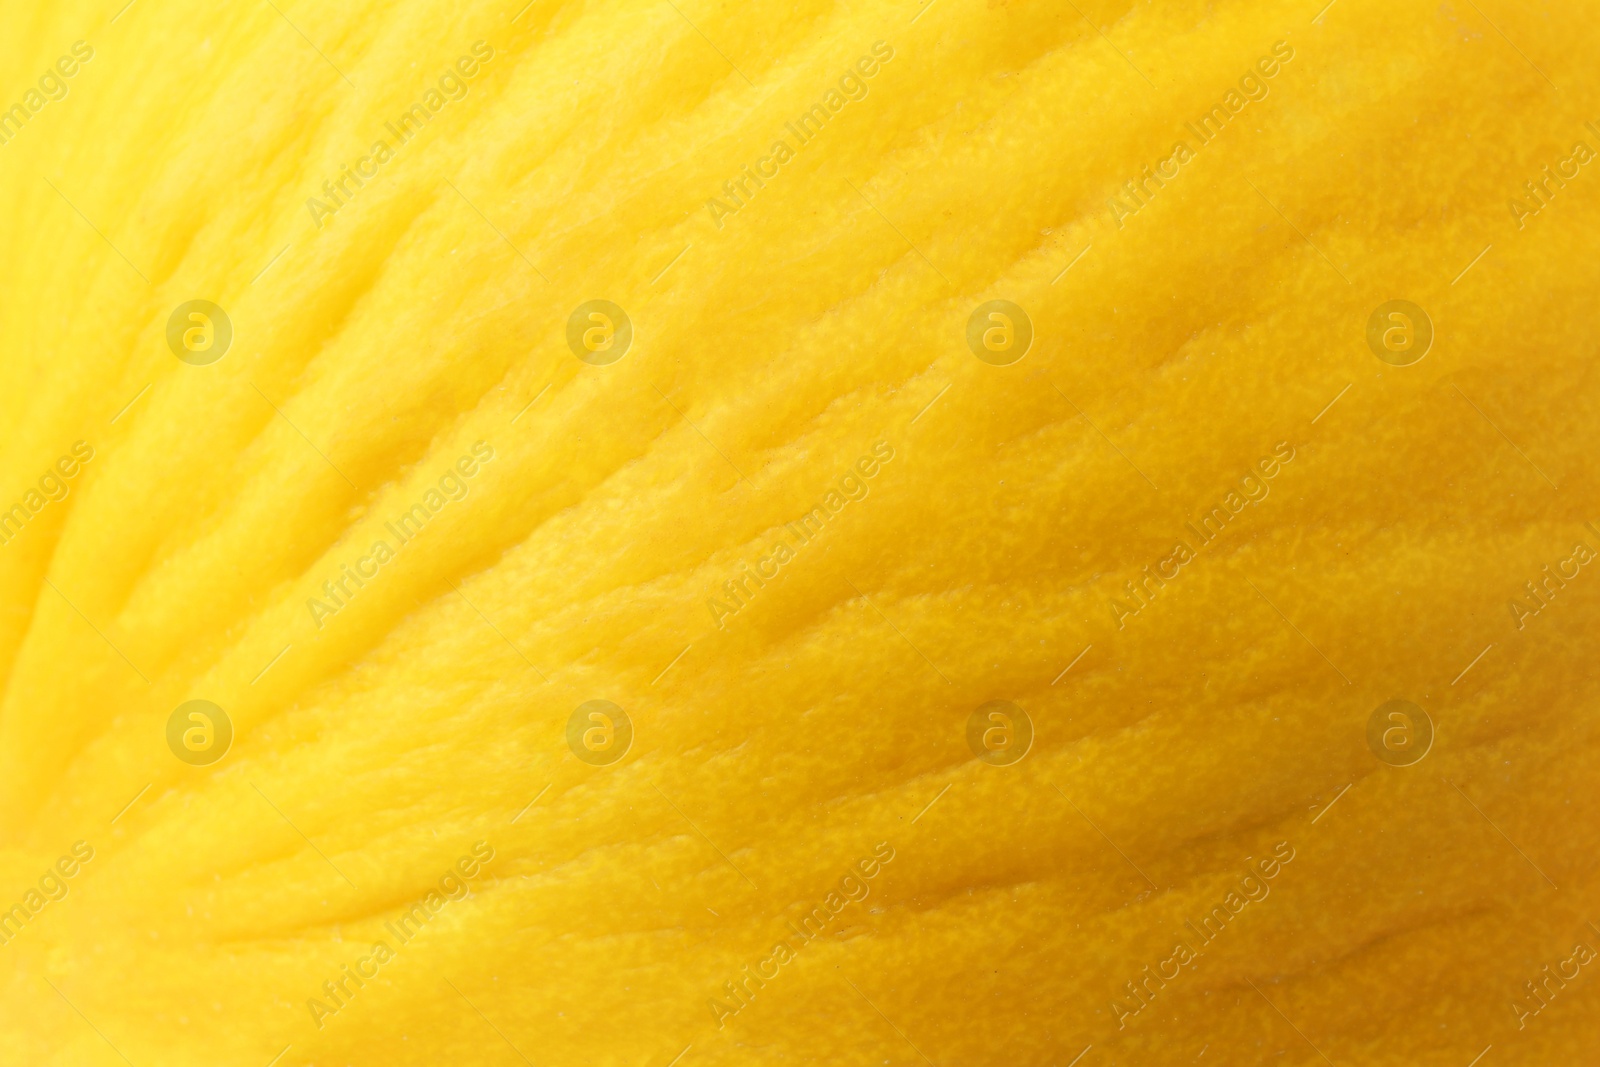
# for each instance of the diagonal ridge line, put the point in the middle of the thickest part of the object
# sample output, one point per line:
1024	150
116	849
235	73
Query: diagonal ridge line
1474	263
268	267
1074	263
674	663
929	404
669	266
495	628
495	228
1113	45
312	43
1290	1021
1502	833
303	837
1108	840
1332	402
1507	440
714	48
932	802
1473	664
132	402
307	440
704	438
274	662
896	629
703	837
97	630
1331	803
96	229
1508	40
532	802
892	1026
1103	437
131	803
896	229
1297	229
1296	629
1073	664
85	1018
492	1026
530	404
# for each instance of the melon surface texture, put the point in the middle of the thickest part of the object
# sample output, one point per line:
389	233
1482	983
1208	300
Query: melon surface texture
595	534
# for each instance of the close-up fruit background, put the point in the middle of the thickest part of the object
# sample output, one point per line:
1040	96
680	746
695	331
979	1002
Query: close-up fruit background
887	532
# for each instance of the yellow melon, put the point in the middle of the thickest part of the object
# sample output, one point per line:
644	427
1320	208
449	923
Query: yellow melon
895	532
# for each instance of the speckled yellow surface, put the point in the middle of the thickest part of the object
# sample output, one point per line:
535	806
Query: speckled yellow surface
786	533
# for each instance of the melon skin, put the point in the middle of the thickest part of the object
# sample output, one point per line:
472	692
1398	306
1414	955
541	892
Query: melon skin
1195	716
